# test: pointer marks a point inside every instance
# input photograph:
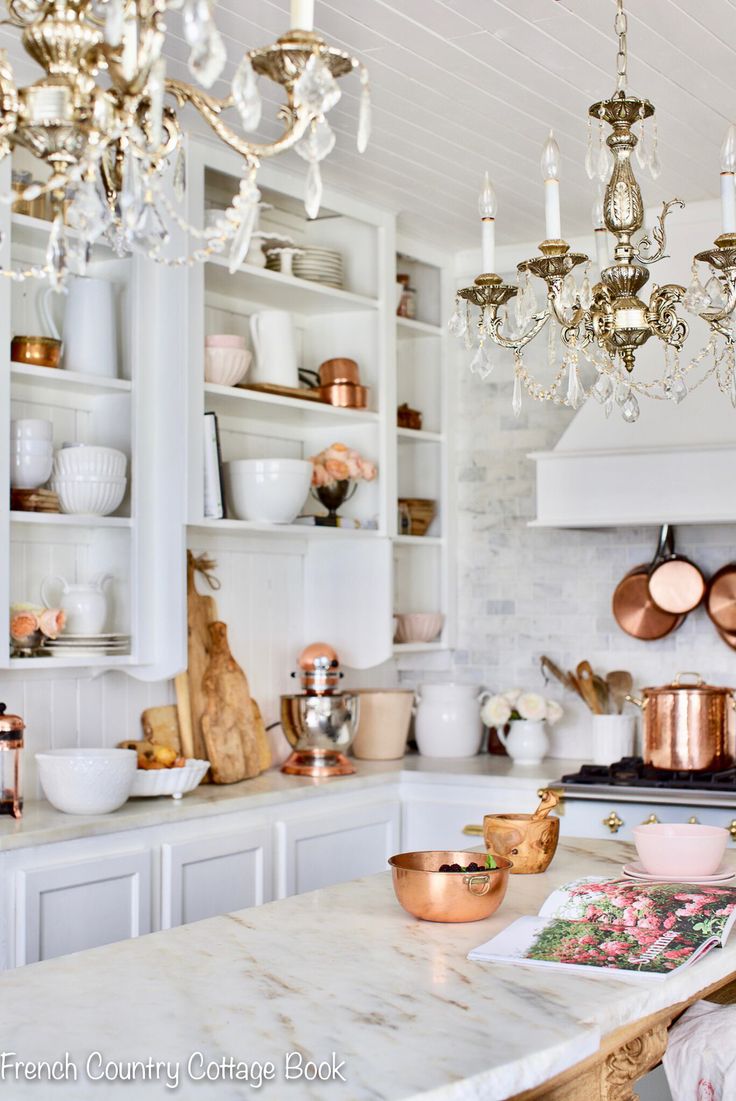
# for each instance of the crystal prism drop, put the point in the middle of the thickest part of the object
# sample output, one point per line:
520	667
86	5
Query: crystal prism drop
603	389
246	95
696	297
149	231
678	389
318	142
316	89
516	397
714	291
243	234
313	191
586	292
207	59
530	294
156	101
477	363
180	174
590	160
608	407
655	165
732	388
89	212
574	389
130	192
569	291
364	120
604	162
622	391
457	323
551	343
630	409
56	252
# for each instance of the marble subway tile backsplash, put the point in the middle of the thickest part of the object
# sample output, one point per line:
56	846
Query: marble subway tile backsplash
526	591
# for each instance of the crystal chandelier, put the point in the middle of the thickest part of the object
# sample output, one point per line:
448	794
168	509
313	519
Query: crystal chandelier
112	146
595	331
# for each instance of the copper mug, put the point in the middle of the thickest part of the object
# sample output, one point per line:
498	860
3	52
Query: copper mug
529	841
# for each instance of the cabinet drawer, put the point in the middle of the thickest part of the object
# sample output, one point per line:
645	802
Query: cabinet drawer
613	817
69	907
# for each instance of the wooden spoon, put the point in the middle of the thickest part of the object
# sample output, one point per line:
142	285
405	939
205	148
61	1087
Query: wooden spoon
588	691
550	800
567	680
602	692
620	684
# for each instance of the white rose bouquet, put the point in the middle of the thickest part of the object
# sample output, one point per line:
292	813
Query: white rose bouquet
516	704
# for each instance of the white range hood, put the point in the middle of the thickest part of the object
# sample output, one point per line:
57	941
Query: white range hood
677	463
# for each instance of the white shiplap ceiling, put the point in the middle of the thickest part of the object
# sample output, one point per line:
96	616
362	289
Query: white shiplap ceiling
463	85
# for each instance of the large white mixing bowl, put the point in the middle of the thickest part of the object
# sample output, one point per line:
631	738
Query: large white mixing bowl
271	491
87	781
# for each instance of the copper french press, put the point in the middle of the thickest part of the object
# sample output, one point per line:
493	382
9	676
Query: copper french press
11	750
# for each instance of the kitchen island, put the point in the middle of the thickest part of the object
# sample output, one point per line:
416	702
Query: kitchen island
343	982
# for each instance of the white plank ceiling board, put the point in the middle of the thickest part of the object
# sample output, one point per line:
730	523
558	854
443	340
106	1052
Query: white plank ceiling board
463	85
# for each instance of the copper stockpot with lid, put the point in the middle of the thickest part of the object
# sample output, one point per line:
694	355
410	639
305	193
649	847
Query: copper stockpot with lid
688	726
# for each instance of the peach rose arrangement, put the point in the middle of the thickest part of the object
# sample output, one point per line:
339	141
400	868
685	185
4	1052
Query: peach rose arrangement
338	463
30	624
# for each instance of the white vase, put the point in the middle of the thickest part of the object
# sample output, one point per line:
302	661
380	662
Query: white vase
527	742
447	722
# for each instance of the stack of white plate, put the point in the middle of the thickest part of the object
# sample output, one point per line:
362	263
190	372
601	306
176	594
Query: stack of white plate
75	646
320	265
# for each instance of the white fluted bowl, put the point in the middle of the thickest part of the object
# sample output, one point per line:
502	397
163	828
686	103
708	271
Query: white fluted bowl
102	462
87	781
88	495
226	366
271	491
169	781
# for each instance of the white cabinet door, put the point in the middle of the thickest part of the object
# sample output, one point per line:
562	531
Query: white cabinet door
336	846
215	875
436	820
75	905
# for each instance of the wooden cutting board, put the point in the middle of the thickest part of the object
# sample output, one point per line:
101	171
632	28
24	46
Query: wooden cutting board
201	611
233	736
161	725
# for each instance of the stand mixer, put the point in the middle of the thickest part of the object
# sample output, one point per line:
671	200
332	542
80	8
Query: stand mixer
319	723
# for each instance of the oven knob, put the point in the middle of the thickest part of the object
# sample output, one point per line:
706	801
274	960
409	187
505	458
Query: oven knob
693	821
650	821
615	823
732	829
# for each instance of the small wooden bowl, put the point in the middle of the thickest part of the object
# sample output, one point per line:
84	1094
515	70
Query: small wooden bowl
529	842
448	896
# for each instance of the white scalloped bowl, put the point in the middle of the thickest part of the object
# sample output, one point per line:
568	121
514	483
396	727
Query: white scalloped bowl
87	781
82	459
169	781
87	494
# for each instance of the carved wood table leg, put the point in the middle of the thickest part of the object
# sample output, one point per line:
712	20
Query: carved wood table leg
624	1067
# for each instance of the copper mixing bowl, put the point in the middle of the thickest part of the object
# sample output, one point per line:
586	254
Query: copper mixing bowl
38	351
432	895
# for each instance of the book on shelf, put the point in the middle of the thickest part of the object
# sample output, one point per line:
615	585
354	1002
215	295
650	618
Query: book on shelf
214	497
636	929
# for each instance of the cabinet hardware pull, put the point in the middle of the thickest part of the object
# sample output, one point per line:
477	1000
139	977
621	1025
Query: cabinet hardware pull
650	821
615	823
541	792
732	829
473	831
693	821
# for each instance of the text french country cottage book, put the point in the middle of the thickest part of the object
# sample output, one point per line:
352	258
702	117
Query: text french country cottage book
647	929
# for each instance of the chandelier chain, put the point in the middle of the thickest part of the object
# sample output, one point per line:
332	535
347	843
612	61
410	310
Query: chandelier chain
621	27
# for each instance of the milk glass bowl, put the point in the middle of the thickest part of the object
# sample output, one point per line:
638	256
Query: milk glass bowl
680	848
87	781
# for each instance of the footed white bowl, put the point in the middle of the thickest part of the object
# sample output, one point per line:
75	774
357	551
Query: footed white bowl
87	781
271	491
169	781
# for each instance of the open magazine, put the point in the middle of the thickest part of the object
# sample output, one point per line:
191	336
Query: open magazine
647	929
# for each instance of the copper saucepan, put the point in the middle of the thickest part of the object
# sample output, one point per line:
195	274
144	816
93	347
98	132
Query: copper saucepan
676	584
635	611
720	602
688	727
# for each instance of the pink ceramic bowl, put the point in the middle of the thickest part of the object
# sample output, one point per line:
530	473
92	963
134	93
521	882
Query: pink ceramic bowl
224	340
680	848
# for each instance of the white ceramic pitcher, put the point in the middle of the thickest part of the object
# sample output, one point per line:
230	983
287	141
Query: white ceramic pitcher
90	326
85	606
274	344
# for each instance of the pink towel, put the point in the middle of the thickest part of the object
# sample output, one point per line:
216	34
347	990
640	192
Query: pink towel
700	1061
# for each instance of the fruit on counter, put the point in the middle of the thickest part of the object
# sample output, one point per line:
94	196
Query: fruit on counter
152	756
489	865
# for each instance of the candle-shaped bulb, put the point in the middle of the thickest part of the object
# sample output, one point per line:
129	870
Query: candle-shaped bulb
487	199
550	158
728	150
302	15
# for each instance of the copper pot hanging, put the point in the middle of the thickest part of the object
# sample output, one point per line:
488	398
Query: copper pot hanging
720	602
676	584
688	727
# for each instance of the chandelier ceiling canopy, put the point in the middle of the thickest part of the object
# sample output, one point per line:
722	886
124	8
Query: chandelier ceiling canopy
599	328
103	121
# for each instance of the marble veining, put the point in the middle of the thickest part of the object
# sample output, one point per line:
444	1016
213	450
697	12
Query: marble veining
341	970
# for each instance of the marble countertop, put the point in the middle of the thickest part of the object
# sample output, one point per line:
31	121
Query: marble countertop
342	970
41	824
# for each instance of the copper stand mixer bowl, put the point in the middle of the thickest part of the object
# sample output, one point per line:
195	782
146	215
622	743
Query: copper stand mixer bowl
432	895
320	730
688	727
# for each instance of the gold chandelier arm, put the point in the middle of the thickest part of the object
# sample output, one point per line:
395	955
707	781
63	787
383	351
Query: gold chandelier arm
211	109
645	251
516	343
8	103
663	317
